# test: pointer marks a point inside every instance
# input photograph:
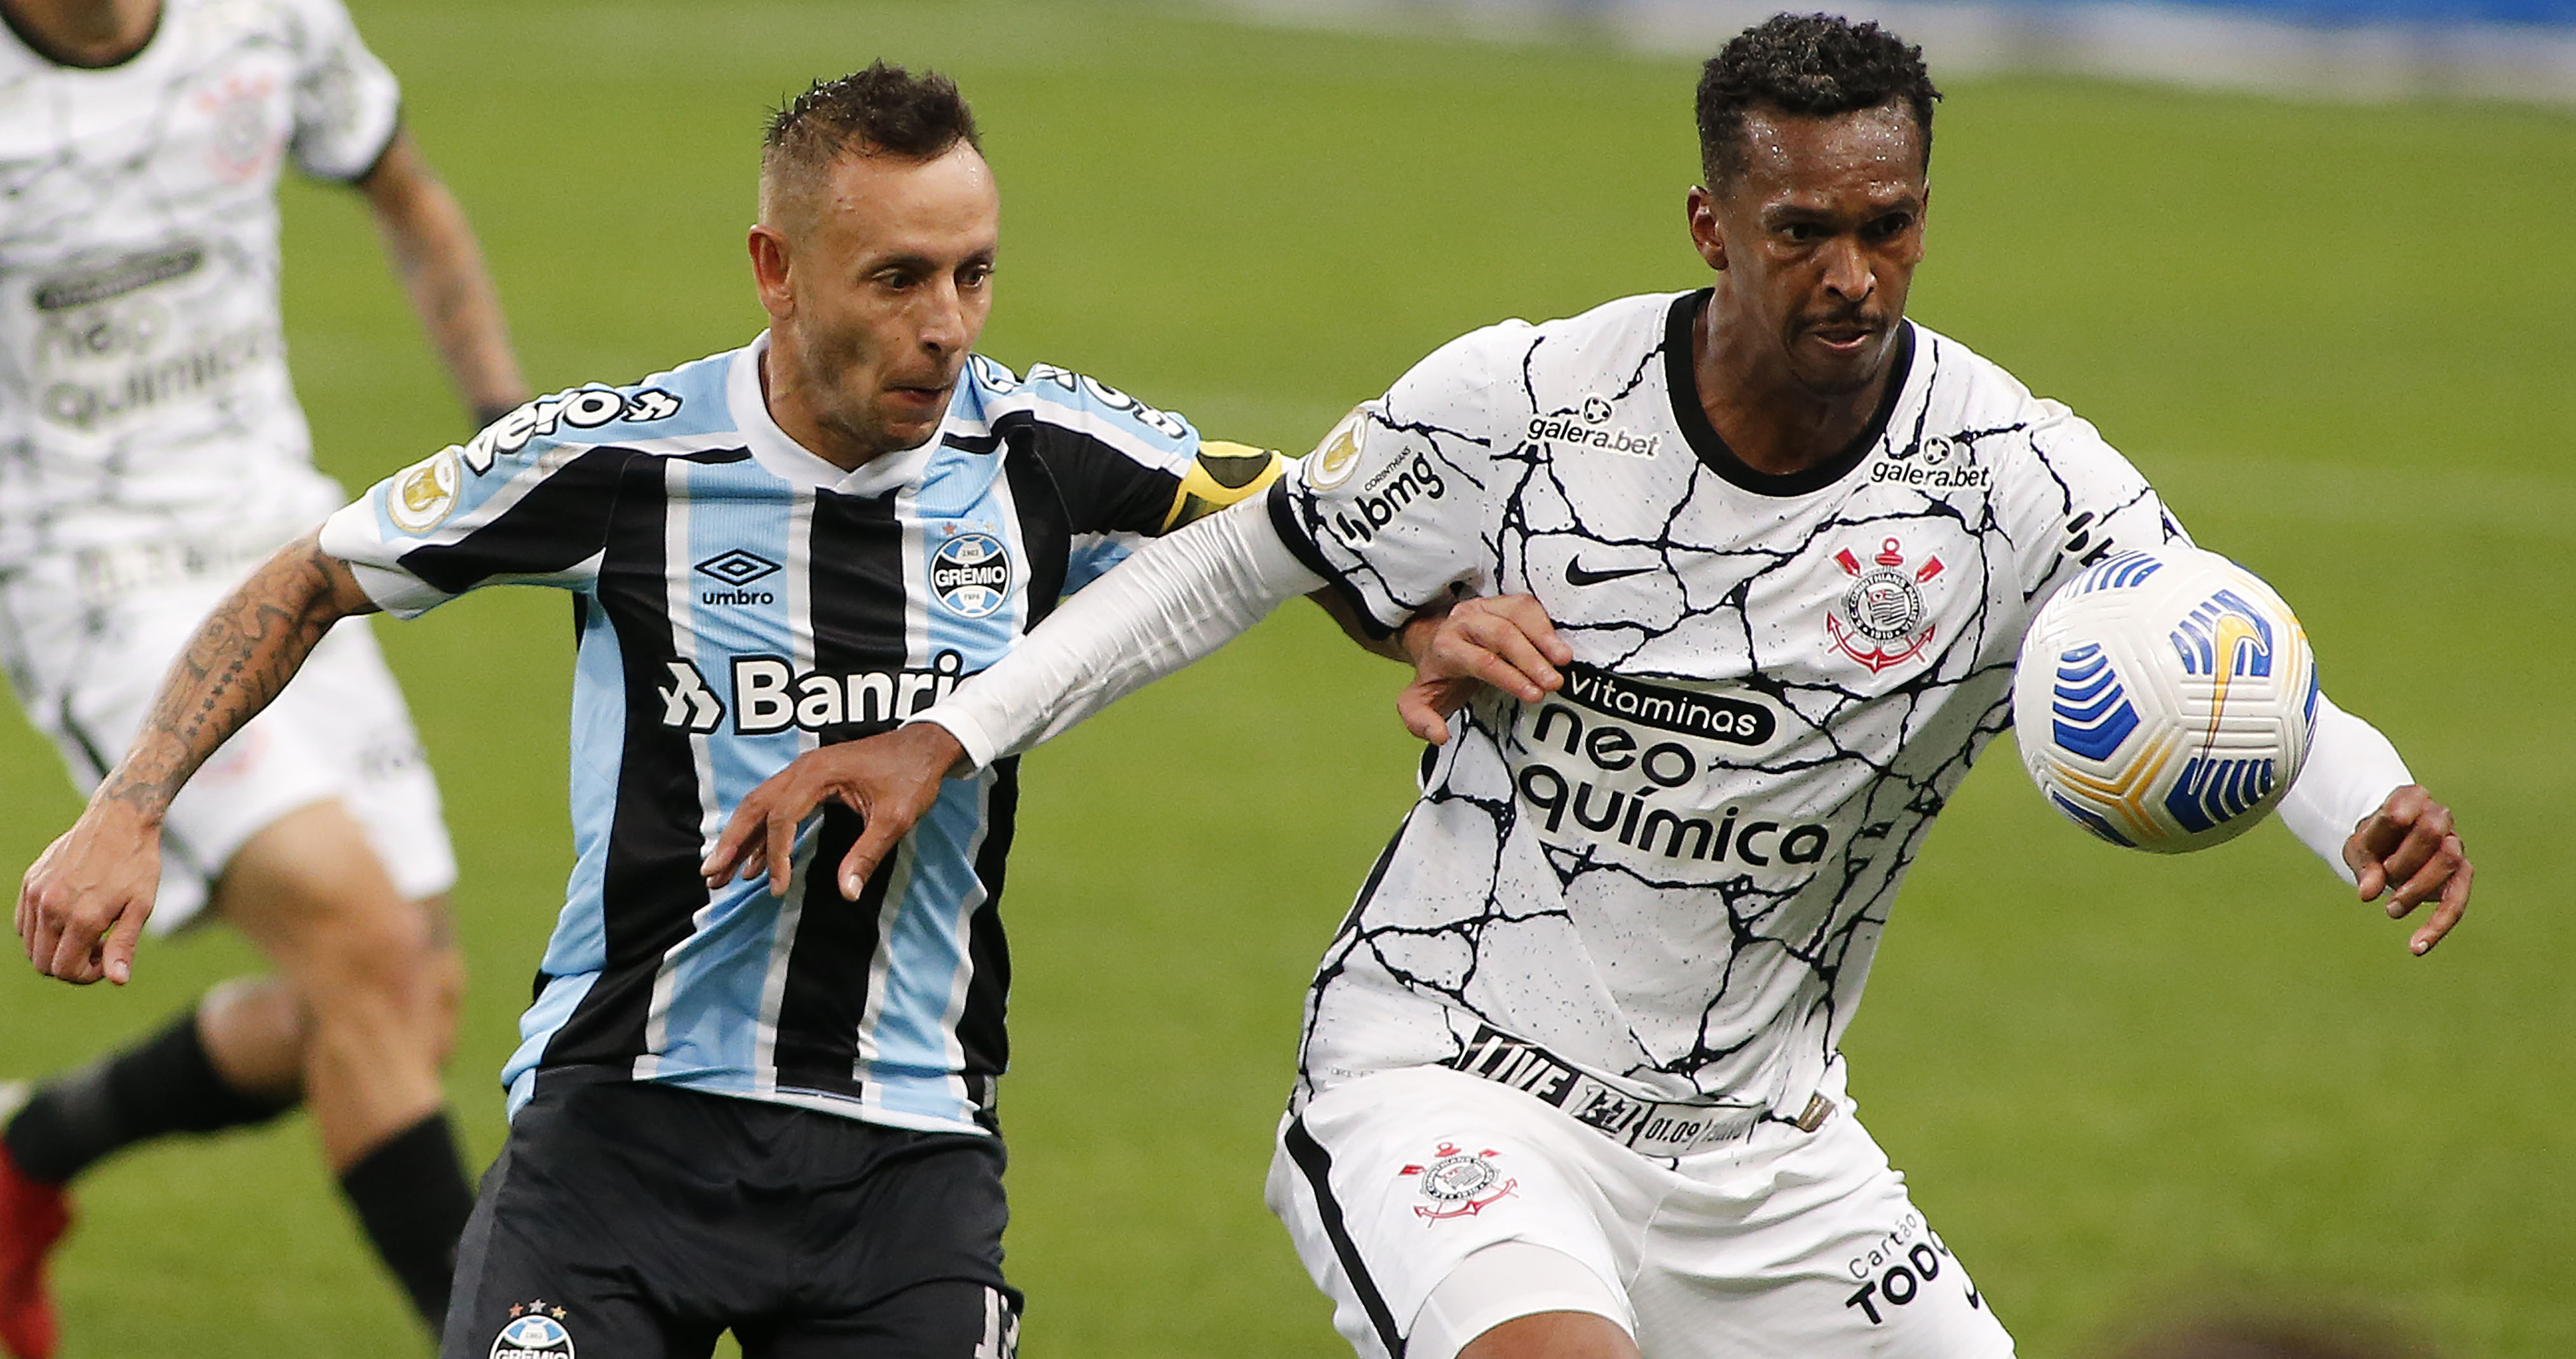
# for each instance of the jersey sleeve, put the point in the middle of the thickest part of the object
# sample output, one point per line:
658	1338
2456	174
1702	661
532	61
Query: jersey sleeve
517	504
1221	474
347	105
1390	507
2080	502
1124	468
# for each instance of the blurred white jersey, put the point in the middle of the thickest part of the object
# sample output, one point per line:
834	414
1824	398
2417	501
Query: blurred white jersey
143	386
1662	886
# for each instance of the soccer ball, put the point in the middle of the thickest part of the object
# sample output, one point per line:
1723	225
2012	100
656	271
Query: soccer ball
2164	699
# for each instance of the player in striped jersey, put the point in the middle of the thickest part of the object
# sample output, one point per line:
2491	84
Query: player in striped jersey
727	1101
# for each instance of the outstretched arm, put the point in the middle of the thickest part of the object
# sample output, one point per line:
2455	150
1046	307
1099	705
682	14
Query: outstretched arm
1171	604
434	252
82	906
1179	598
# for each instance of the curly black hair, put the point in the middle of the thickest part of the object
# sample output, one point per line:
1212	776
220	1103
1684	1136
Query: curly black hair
1811	65
883	110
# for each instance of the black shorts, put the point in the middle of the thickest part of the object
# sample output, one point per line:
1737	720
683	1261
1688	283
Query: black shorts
630	1220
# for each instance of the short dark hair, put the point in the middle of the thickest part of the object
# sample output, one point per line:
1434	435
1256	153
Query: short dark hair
1809	65
881	111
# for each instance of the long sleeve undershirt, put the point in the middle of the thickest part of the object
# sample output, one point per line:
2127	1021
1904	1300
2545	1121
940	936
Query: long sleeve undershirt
2351	769
1177	599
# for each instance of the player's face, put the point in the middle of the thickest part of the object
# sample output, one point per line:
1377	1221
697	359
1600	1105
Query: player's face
1816	242
882	285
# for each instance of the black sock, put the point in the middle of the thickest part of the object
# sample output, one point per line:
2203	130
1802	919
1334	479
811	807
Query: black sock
164	1084
412	1199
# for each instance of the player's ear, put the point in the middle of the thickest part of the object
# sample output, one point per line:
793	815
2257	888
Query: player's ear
1702	207
770	260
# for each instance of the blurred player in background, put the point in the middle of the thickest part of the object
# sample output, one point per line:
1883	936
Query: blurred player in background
151	452
1570	1084
773	1114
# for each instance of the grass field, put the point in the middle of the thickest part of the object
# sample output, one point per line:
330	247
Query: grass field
2341	340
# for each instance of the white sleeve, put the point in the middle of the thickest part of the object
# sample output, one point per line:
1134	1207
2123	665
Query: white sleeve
1179	598
347	106
1391	507
2080	501
2351	769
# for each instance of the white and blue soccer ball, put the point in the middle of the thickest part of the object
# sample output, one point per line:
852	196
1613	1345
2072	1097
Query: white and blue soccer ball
2164	699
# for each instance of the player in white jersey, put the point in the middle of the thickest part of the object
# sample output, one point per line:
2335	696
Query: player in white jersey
1570	1083
151	452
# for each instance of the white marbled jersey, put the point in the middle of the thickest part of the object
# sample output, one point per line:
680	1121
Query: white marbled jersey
1673	873
143	385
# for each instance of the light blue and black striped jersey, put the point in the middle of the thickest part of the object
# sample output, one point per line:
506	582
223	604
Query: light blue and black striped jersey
739	600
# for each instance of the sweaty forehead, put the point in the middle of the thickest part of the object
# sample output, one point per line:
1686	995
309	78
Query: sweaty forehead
1793	154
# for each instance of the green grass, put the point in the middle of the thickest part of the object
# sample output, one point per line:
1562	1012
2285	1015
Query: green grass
2341	340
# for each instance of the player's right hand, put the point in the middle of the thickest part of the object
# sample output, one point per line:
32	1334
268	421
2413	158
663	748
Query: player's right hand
889	780
82	906
1506	641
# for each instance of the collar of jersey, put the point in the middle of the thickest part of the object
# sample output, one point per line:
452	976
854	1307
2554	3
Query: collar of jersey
790	461
1682	386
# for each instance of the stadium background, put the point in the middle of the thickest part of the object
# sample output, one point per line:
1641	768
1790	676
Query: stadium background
2341	338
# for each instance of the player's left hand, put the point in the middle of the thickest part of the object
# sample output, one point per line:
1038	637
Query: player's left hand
2408	845
889	780
1506	641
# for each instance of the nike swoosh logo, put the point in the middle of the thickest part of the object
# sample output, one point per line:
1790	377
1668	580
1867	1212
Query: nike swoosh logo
1575	574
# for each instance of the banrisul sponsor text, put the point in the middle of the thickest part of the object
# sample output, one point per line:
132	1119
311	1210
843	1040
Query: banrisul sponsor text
769	694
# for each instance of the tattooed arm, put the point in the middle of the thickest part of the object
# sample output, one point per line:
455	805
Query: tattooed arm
82	906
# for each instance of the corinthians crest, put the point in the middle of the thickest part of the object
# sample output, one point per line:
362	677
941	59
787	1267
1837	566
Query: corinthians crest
1880	619
1459	1184
244	135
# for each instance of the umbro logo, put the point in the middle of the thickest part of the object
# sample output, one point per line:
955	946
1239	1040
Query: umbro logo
737	567
1577	574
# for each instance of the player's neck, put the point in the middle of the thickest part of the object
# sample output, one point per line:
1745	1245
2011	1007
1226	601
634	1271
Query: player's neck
86	32
797	418
1777	425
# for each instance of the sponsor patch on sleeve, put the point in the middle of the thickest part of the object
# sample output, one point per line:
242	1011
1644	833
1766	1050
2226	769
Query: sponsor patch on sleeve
1338	455
423	494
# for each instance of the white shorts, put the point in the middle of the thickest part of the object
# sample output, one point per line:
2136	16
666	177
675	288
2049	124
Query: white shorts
1787	1245
86	675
